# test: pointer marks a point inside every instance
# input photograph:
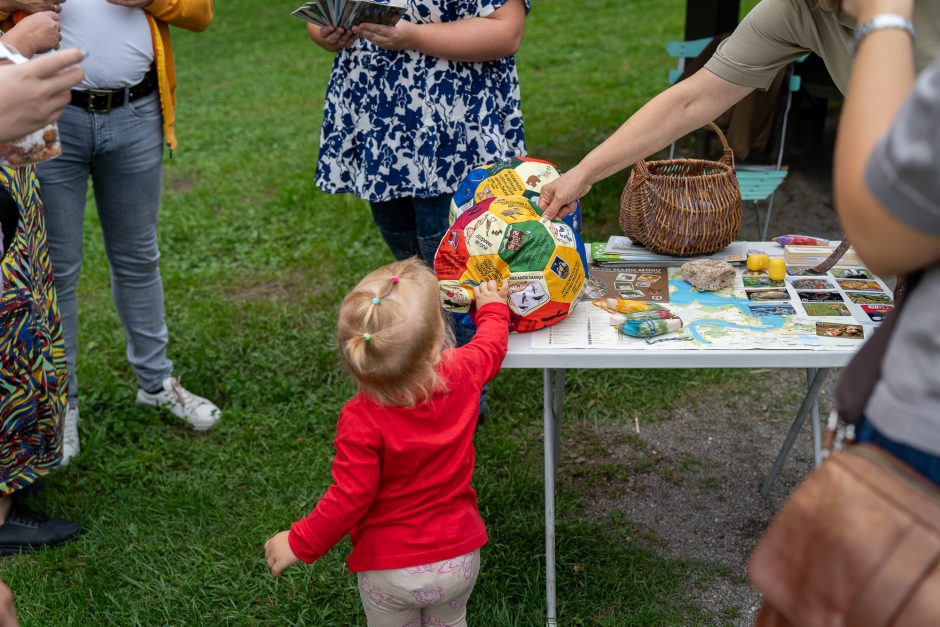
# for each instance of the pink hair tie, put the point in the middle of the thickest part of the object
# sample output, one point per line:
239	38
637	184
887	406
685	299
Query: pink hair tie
395	279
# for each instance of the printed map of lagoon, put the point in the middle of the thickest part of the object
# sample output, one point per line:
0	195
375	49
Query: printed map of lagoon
723	320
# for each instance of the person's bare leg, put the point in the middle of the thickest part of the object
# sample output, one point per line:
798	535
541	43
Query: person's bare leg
5	504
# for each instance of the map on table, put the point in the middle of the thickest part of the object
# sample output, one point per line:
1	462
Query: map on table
787	315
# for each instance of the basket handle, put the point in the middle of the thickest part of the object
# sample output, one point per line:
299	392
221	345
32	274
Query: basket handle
641	171
639	175
728	157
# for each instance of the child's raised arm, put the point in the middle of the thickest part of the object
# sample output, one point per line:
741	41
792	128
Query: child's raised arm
471	39
485	352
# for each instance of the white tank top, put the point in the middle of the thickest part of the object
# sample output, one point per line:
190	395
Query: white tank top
117	38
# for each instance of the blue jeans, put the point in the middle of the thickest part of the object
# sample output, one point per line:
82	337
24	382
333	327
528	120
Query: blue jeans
926	464
122	152
413	227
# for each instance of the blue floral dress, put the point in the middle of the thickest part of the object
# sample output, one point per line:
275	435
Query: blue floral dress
404	124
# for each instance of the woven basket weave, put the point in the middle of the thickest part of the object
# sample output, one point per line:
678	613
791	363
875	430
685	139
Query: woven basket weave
683	207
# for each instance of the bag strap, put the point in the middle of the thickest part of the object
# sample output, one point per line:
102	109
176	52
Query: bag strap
832	259
858	379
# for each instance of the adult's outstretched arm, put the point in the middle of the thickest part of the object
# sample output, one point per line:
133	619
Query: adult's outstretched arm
681	109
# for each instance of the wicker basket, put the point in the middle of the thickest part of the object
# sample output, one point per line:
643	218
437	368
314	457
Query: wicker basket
683	207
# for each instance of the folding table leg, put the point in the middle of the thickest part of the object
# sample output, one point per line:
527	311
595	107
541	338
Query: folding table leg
558	412
808	402
814	421
550	395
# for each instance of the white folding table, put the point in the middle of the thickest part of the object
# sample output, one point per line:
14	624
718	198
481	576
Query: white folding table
553	362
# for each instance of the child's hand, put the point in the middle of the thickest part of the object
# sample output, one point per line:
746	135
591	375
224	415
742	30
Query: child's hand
331	38
487	292
396	37
279	554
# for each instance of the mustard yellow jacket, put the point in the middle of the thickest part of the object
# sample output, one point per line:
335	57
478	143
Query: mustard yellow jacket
194	15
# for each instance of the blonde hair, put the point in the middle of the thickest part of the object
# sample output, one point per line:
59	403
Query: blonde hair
391	332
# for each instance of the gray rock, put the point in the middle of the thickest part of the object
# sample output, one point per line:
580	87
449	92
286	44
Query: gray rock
708	275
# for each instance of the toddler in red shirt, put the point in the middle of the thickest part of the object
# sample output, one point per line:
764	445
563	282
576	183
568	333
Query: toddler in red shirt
404	450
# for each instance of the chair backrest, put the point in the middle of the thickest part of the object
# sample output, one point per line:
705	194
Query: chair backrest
683	50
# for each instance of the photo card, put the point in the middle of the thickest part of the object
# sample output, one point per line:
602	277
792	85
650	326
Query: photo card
877	313
781	309
799	271
767	295
826	309
349	13
851	273
820	297
811	284
759	280
839	330
311	13
870	298
859	285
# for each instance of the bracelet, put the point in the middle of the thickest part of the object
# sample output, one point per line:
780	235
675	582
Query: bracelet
882	21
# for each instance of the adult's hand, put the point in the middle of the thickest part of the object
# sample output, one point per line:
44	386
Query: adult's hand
331	38
31	6
34	94
35	33
864	10
396	37
134	4
559	198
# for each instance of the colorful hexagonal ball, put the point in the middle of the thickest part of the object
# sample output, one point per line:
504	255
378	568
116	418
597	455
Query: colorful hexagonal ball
504	238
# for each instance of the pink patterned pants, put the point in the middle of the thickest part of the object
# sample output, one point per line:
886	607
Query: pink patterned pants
429	595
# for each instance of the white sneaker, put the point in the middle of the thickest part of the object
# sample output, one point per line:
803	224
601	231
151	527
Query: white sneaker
70	446
199	412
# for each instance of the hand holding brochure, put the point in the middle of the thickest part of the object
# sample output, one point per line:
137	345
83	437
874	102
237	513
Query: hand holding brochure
349	13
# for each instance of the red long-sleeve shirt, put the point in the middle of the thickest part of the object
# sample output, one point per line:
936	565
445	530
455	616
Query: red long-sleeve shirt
401	475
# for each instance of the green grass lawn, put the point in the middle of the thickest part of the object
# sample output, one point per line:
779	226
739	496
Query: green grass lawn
255	262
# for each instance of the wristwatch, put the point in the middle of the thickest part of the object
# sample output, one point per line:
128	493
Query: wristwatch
882	21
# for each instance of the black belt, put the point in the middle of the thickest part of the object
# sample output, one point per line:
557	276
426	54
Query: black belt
103	100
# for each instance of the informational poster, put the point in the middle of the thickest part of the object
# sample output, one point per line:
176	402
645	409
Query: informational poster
629	283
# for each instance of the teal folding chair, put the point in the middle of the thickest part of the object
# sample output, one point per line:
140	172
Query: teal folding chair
760	183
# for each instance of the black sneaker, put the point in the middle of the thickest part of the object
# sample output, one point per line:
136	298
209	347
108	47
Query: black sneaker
25	529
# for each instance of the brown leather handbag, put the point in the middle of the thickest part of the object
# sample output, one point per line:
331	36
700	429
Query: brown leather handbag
857	545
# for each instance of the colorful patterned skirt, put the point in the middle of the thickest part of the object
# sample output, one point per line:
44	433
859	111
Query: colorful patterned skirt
33	375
